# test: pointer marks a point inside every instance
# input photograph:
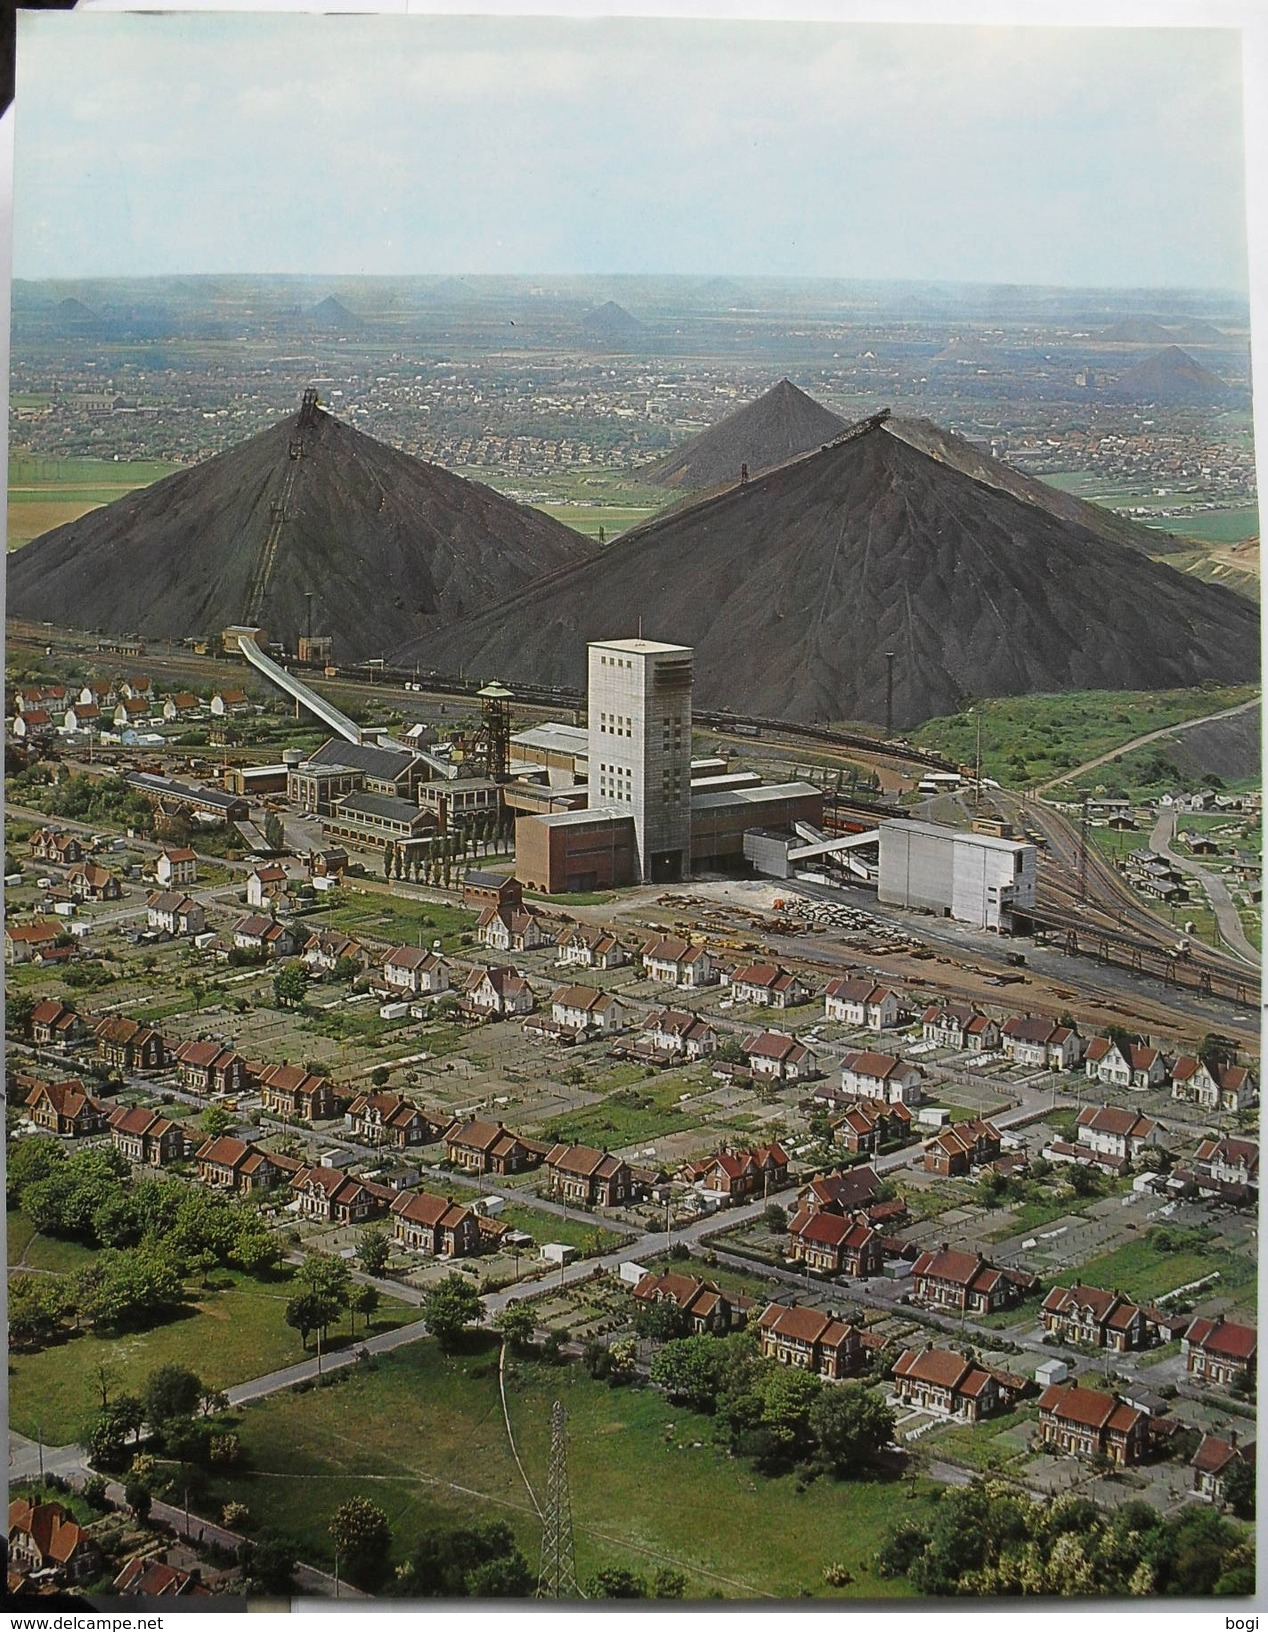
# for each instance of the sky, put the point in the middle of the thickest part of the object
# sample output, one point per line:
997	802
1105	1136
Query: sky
262	143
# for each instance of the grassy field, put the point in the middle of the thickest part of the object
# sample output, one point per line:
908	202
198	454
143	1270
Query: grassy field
646	1110
423	1436
1143	1272
46	492
1027	740
398	920
592	503
226	1335
588	1236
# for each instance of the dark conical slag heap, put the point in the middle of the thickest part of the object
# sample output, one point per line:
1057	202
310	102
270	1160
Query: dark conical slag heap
782	424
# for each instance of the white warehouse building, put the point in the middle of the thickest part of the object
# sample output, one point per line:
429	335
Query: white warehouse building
972	877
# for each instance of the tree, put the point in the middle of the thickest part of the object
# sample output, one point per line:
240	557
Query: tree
363	1301
1239	1487
517	1323
214	1121
274	833
18	1009
689	1369
662	1321
362	1537
1084	1181
138	1498
310	1312
615	1582
374	1247
171	1391
451	1306
269	1563
667	1583
213	1399
788	1397
851	1424
290	986
775	1218
388	853
30	1161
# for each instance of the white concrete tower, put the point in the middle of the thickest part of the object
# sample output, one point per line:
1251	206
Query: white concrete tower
640	748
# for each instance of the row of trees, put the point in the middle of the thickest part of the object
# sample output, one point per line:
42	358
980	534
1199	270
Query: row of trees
990	1539
324	1288
437	864
775	1414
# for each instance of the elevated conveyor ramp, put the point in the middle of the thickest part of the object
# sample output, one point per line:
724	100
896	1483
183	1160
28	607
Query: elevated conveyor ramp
316	704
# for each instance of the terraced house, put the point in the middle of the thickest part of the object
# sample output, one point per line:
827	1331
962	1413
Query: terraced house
959	1027
227	1163
829	1244
489	1147
145	1138
966	1281
411	969
66	1108
1125	1065
1220	1351
291	1092
853	1001
705	1305
496	993
387	1119
1087	1314
958	1149
883	1077
210	1069
435	1224
808	1340
1078	1421
672	961
774	1054
337	1197
590	1177
1213	1085
768	986
129	1046
945	1383
1027	1040
735	1175
674	1034
591	947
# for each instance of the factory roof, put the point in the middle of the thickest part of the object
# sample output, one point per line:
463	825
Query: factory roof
359	756
577	818
553	734
380	804
769	793
934	830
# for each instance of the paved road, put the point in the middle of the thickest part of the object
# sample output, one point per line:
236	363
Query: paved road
1141	742
1226	914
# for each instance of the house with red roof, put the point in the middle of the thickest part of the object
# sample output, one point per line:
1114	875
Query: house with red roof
735	1175
1224	1169
1124	1065
435	1224
778	1057
1212	1084
509	928
49	844
173	913
129	1045
255	933
965	1281
1213	1460
866	1074
808	1340
496	992
672	961
590	947
868	1124
829	1244
1075	1421
589	1177
490	1147
854	1000
291	1092
1219	1351
674	1034
1088	1314
338	1198
946	1384
707	1307
959	1027
388	1120
30	943
149	1576
956	1150
176	867
226	1163
411	969
43	1536
1029	1040
768	986
1108	1138
66	1108
325	949
146	1138
55	1024
209	1068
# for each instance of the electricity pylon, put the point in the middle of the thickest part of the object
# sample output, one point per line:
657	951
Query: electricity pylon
557	1577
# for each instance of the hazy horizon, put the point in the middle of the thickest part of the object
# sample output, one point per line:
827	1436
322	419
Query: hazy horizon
215	144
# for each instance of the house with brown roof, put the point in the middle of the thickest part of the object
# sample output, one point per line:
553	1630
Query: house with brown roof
336	1197
411	969
176	867
49	844
736	1175
81	718
672	961
1125	1065
1088	1314
180	705
32	724
768	986
325	949
778	1057
510	929
956	1150
1108	1137
854	1000
1213	1460
43	1536
55	1024
30	943
1224	1169
149	1576
496	992
230	700
840	1192
388	1120
131	712
173	913
965	1281
66	1108
255	933
707	1307
146	1138
590	947
1219	1351
959	1027
808	1340
489	1147
589	1177
1030	1040
88	882
868	1124
1213	1085
884	1077
673	1034
946	1384
829	1244
266	885
226	1163
211	1069
435	1224
291	1092
577	1012
1075	1421
129	1045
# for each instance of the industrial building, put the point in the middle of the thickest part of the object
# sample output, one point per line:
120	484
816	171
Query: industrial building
972	877
624	802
